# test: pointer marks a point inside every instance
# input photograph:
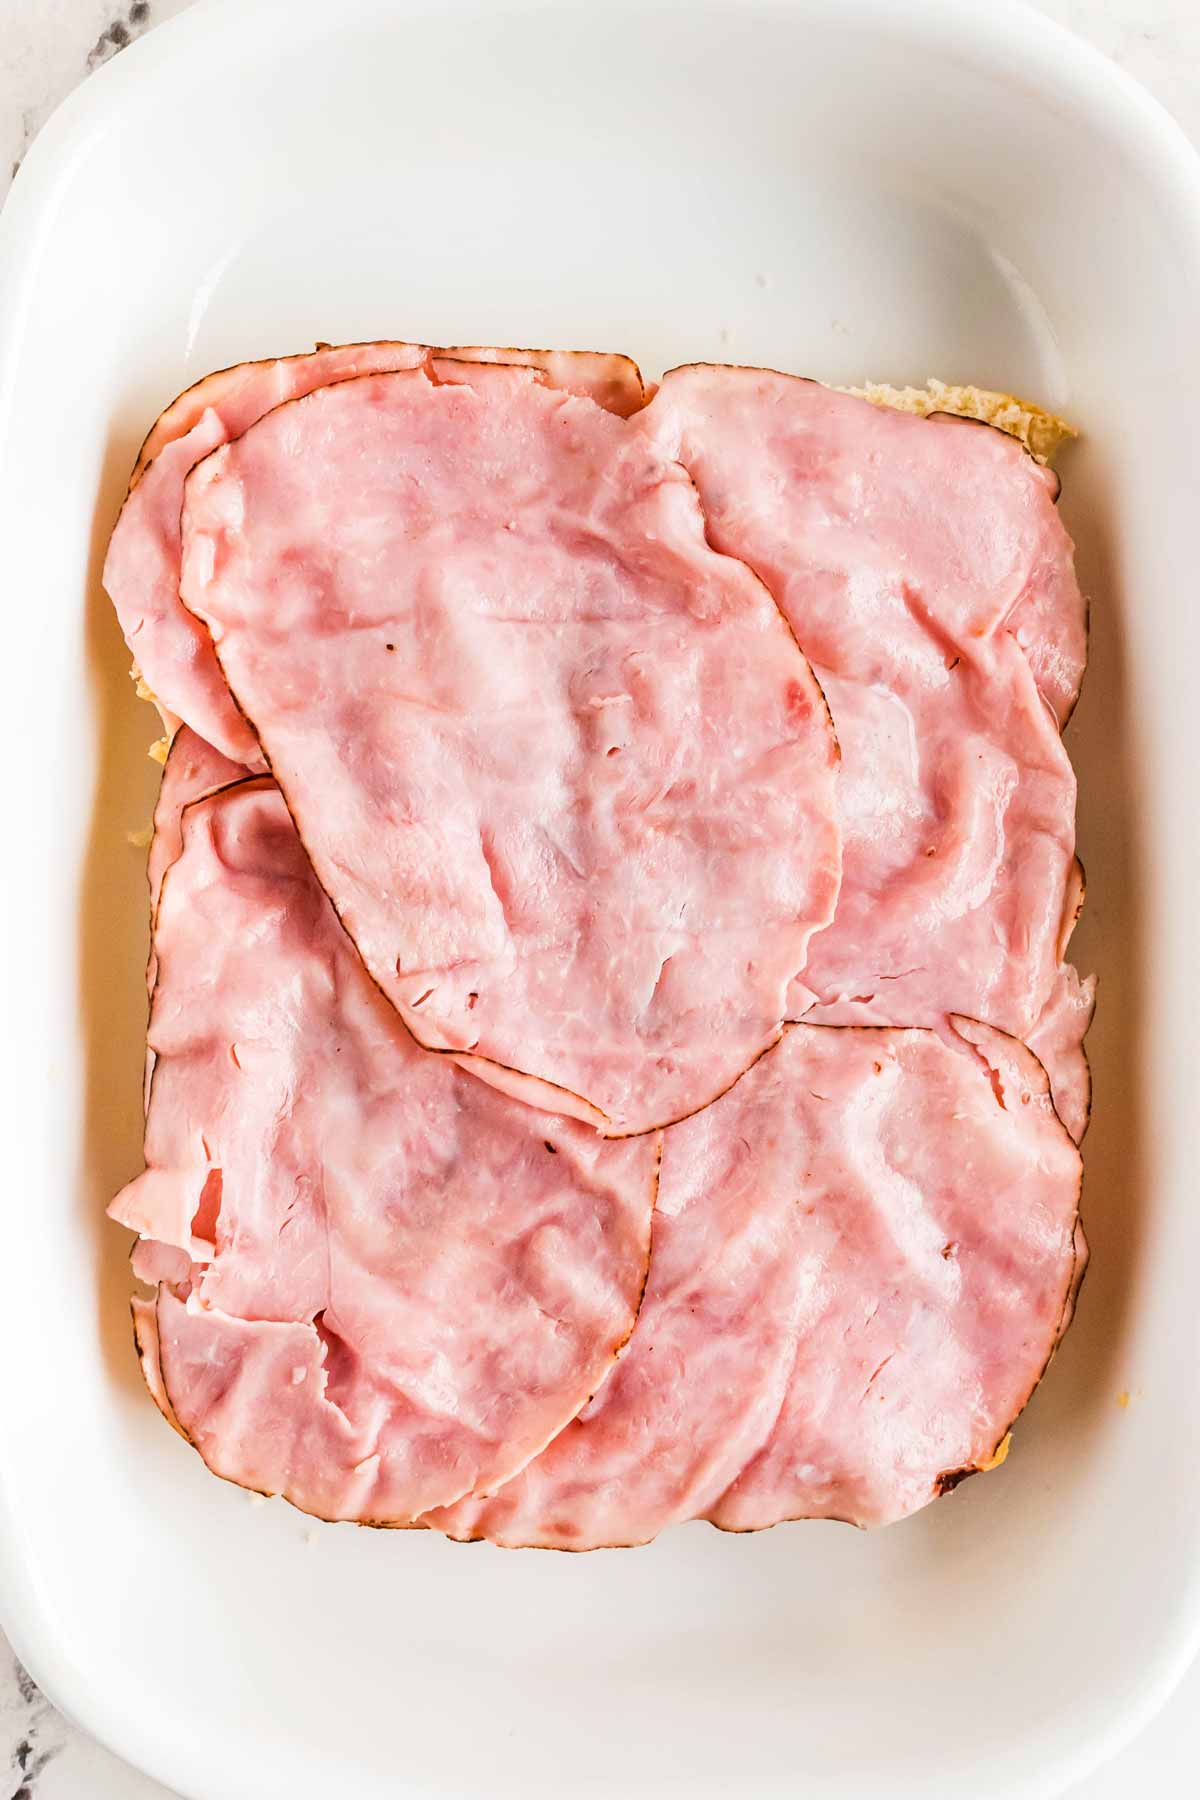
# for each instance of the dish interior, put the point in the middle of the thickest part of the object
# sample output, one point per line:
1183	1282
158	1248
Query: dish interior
836	191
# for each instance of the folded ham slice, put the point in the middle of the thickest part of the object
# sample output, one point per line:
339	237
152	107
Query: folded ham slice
963	1195
561	768
141	570
192	769
863	1257
381	1281
928	577
1058	1034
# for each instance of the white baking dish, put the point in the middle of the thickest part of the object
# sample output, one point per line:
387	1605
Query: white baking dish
845	189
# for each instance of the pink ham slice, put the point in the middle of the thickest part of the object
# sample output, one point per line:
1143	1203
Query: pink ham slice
613	382
928	577
963	1201
382	1282
561	768
141	571
144	1314
863	1257
610	379
193	768
1057	1037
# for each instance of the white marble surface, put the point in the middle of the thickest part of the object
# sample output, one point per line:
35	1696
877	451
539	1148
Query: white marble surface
46	48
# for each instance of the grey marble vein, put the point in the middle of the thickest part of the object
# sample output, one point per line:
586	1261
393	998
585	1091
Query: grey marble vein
119	32
34	1732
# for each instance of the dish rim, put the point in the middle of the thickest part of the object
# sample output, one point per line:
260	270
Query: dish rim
1013	42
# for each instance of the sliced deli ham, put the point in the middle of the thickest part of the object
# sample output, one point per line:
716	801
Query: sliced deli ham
959	1198
926	573
507	824
864	1255
141	570
613	382
192	769
381	1282
144	1314
1057	1037
560	766
608	378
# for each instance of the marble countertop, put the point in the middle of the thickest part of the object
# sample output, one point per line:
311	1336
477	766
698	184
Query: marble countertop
46	48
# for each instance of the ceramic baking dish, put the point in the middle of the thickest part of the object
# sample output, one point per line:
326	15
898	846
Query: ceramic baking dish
846	188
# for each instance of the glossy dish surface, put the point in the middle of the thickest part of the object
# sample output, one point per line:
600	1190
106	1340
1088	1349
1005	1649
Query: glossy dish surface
636	177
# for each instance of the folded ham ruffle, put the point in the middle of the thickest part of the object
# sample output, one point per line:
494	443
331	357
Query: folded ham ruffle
927	575
381	1282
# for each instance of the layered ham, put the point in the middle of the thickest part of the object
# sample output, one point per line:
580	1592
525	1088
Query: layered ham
613	1057
926	573
561	767
864	1255
192	769
950	1249
382	1283
171	651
